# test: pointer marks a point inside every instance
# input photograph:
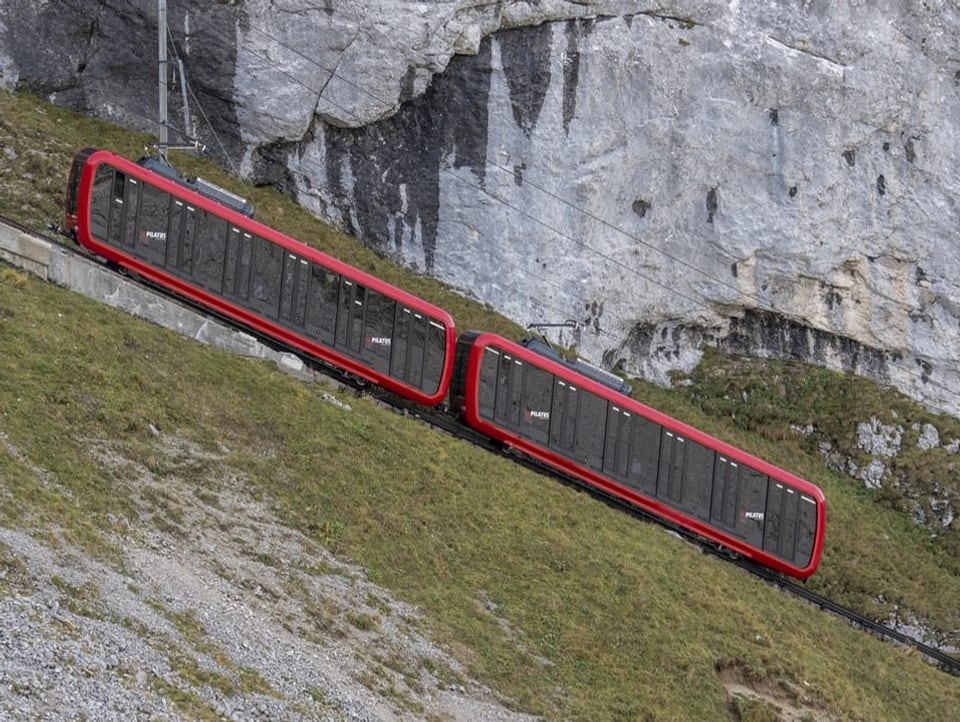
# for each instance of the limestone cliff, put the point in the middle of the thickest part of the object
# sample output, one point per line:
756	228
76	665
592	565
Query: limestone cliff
777	178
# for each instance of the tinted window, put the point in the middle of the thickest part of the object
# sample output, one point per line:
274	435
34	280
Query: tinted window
152	225
416	343
488	382
324	290
265	277
401	339
806	531
536	404
645	455
117	209
188	236
128	232
231	268
751	505
435	357
211	250
298	314
776	500
509	389
293	295
378	330
563	417
616	452
591	423
670	475
102	202
726	487
698	479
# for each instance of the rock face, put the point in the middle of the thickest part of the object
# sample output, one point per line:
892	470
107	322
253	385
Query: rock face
773	178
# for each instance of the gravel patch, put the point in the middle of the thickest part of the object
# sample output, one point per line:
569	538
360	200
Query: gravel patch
217	611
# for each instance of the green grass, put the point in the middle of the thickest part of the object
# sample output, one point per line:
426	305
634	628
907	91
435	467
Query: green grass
569	607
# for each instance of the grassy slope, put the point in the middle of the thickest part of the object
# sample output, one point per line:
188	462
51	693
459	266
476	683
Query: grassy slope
570	607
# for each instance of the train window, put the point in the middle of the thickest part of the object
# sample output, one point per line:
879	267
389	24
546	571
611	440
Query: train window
265	277
563	417
131	205
788	530
293	294
644	455
536	404
118	233
231	266
487	393
324	289
357	313
401	339
293	297
776	517
509	389
174	223
698	479
434	357
616	451
246	266
806	531
101	203
299	313
152	224
726	485
416	345
670	474
591	425
750	493
378	330
211	235
351	307
115	216
186	239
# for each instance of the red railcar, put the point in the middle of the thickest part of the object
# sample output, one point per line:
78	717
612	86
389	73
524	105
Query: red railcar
590	431
221	258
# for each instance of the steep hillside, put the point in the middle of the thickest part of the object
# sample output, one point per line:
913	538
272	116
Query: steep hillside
215	538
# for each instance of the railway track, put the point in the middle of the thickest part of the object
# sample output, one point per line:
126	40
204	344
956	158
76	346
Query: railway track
446	423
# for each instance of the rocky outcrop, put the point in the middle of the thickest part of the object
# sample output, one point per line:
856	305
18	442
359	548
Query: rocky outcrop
770	178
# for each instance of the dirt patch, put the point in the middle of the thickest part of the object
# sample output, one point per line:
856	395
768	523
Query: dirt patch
774	700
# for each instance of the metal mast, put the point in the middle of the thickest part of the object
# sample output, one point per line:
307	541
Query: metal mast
162	74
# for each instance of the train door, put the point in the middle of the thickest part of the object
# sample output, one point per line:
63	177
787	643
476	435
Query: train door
616	452
563	417
536	404
102	202
265	277
180	238
293	291
151	234
670	474
323	294
591	429
739	500
509	392
122	213
378	330
211	251
790	527
644	455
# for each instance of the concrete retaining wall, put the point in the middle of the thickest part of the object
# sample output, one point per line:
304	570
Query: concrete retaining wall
59	265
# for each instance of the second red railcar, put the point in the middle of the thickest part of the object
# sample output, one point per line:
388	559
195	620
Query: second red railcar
590	431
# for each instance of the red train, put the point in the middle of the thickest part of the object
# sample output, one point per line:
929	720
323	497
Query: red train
167	230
